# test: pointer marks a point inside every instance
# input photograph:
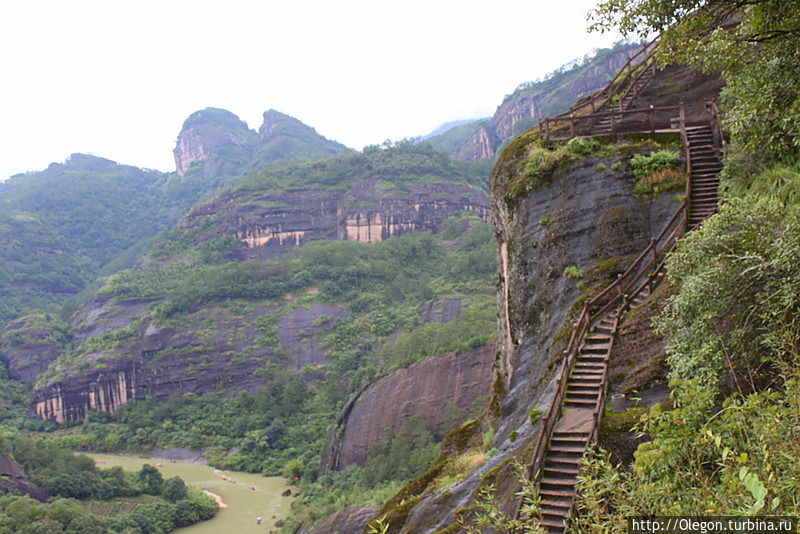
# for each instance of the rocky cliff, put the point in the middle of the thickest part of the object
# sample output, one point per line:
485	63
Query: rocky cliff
432	388
269	223
583	214
29	344
130	342
554	206
211	131
217	346
219	143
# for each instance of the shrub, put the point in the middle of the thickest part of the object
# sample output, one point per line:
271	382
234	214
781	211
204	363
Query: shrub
643	165
573	272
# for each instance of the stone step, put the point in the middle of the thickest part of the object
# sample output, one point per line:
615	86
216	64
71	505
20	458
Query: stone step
563	504
569	493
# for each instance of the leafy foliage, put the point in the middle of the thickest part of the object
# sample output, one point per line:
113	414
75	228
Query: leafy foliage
732	342
68	476
748	325
396	163
758	57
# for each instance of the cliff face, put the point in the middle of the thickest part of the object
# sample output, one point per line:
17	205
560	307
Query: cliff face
227	145
28	346
210	131
12	480
583	214
429	388
269	223
219	345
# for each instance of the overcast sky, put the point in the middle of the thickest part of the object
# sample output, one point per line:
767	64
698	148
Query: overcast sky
118	78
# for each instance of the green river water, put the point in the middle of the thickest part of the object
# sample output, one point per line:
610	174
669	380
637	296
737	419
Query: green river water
243	504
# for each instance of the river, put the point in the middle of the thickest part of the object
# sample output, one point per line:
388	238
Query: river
243	503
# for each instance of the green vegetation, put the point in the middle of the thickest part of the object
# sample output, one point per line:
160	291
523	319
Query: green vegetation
573	272
92	500
731	329
734	366
643	165
282	426
657	173
759	59
398	163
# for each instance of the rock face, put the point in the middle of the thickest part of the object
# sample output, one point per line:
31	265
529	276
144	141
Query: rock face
217	346
427	388
586	215
286	138
269	223
27	347
210	131
349	521
228	145
12	480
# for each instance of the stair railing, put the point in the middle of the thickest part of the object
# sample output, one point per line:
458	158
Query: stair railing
654	118
601	97
645	274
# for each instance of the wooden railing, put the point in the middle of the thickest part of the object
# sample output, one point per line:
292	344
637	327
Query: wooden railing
716	124
614	122
598	99
648	68
643	272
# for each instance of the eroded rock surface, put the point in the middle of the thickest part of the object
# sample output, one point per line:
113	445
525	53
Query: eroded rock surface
432	388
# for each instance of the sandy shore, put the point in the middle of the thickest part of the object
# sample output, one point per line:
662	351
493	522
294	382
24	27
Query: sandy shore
217	498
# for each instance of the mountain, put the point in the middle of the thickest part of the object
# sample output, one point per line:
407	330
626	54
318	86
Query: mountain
531	102
214	146
448	126
63	227
292	291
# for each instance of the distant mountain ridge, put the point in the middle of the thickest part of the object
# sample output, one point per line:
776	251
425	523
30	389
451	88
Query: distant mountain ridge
215	142
530	102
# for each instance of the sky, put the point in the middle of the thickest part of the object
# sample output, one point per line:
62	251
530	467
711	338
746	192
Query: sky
117	78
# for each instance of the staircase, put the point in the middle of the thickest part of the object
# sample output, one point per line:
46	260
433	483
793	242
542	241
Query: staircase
639	82
704	167
575	429
573	419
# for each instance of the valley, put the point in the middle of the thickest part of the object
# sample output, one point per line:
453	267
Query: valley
580	309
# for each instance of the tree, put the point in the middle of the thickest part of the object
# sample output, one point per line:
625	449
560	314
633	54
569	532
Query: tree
151	480
174	489
753	44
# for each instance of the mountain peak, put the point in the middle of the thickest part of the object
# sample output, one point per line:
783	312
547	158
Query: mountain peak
206	132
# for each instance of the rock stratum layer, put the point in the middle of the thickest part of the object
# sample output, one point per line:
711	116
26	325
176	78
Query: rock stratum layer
269	223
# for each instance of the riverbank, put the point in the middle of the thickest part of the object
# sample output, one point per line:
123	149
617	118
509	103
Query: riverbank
242	497
217	498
